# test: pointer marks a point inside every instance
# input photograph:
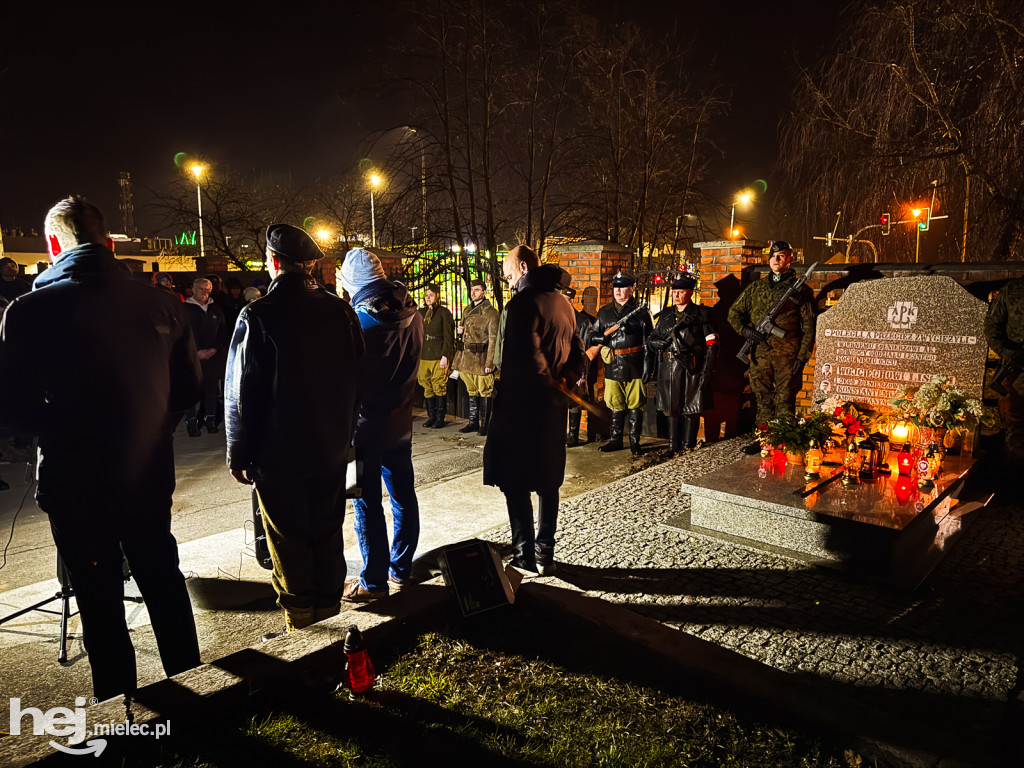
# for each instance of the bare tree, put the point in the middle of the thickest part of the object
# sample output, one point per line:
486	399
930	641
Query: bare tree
921	96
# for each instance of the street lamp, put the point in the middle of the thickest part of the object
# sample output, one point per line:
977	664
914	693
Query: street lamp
324	235
374	183
743	198
197	170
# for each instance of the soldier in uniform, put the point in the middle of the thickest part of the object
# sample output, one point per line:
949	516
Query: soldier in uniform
627	364
1004	330
438	348
474	358
584	321
685	347
775	372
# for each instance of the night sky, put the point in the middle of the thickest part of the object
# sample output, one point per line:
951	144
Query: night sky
88	91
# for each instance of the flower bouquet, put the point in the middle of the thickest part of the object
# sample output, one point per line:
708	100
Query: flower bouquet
940	405
793	433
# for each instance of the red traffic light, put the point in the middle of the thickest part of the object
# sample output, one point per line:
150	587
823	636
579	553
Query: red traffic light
886	220
658	279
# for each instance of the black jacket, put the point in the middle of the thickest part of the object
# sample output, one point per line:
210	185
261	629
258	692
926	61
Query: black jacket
393	332
92	361
622	367
292	375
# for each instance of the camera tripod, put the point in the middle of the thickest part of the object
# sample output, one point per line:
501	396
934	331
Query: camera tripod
64	594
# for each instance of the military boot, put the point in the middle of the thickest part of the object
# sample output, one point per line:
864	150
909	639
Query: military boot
485	414
474	416
211	425
431	411
636	424
618	422
690	426
192	425
573	438
674	436
298	618
440	406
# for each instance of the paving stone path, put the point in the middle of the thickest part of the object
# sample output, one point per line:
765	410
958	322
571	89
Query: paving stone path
948	653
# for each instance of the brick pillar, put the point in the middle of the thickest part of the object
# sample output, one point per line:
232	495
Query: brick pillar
592	265
721	265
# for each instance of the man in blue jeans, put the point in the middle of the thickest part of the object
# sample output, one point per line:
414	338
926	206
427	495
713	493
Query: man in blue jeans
393	331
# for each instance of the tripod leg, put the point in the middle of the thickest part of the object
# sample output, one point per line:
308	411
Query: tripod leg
65	614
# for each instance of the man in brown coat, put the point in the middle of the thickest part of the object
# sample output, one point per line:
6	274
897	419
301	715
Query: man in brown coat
474	360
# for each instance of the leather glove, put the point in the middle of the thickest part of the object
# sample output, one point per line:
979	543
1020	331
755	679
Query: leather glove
798	365
754	336
647	371
616	339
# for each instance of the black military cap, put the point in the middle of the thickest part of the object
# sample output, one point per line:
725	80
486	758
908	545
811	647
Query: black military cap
479	282
291	243
779	245
432	287
684	283
623	280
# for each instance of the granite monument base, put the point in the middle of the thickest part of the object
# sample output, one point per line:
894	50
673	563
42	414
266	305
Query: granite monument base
885	529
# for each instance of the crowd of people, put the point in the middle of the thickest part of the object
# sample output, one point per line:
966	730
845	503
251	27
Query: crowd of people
318	396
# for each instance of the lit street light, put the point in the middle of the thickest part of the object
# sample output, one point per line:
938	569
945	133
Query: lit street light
374	183
324	235
743	198
197	170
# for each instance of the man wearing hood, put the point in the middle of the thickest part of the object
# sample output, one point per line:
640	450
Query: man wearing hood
474	360
393	331
290	403
541	358
90	339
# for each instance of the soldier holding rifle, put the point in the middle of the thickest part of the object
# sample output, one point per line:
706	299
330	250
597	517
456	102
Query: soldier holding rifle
1004	330
620	334
777	359
685	344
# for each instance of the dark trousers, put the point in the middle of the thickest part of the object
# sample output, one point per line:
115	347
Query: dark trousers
209	404
379	561
529	547
90	540
303	517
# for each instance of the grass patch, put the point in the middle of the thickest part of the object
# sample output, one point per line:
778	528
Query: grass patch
502	690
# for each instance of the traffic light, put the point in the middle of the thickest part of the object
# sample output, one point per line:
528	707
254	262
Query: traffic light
923	225
886	219
658	279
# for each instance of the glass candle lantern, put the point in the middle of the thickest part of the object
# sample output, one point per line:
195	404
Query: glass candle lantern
882	454
868	450
928	466
851	464
905	460
812	460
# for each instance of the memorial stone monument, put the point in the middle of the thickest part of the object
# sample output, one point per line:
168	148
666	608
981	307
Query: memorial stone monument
883	334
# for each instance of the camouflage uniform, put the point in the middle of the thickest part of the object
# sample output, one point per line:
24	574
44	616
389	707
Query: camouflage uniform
773	380
1004	330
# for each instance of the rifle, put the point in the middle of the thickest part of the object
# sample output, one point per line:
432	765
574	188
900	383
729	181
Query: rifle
593	351
1008	369
767	325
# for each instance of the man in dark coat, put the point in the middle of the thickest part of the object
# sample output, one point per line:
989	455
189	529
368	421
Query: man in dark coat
685	346
525	448
290	406
11	286
393	331
438	350
89	339
627	365
211	333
